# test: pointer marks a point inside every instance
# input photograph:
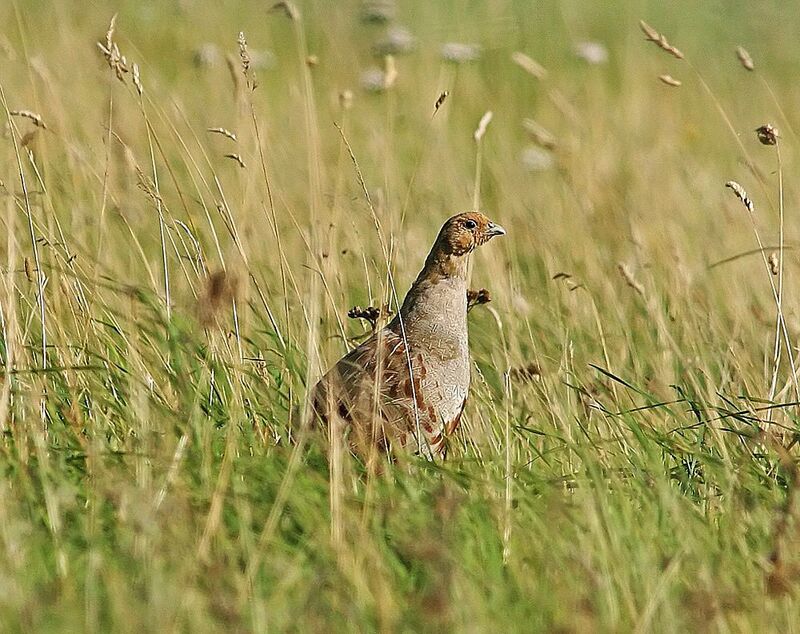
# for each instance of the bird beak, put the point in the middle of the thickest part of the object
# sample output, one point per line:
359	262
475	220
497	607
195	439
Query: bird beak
495	230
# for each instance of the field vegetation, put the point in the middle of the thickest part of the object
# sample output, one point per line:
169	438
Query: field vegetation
193	195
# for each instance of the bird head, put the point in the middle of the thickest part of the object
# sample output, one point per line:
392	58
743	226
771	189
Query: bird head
463	233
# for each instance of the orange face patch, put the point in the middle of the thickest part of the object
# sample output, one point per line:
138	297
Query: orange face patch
462	233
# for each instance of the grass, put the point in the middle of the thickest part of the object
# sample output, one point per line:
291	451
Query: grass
625	461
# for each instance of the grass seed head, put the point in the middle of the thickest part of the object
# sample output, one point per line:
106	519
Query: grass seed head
223	132
31	116
529	65
476	298
651	35
741	194
539	134
669	80
526	373
744	58
237	158
773	263
137	81
28	269
440	101
482	125
370	314
389	72
767	134
346	99
116	60
629	278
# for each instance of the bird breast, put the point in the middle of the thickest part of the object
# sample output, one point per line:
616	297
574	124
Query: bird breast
436	328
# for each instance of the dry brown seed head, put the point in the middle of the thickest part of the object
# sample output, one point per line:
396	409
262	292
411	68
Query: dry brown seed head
28	269
440	101
773	263
744	57
530	372
767	134
221	288
370	314
476	298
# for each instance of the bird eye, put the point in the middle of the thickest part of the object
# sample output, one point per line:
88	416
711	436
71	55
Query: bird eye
470	224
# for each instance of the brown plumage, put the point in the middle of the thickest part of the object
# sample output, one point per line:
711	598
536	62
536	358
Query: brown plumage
407	384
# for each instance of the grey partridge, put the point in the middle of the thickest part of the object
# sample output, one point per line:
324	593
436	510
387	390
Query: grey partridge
407	384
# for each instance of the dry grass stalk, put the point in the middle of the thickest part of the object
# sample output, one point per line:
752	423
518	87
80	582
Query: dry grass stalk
669	80
768	134
539	134
629	278
529	65
659	40
741	194
31	116
744	58
476	298
223	132
482	125
236	77
237	158
116	60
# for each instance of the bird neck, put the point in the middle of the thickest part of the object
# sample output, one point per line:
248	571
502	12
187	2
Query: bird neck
443	265
442	279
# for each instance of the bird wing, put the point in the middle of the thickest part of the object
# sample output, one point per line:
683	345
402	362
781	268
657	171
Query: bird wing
373	390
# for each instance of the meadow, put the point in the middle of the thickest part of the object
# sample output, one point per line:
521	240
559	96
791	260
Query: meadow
193	196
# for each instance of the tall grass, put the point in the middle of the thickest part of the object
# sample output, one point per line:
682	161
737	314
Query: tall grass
169	293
